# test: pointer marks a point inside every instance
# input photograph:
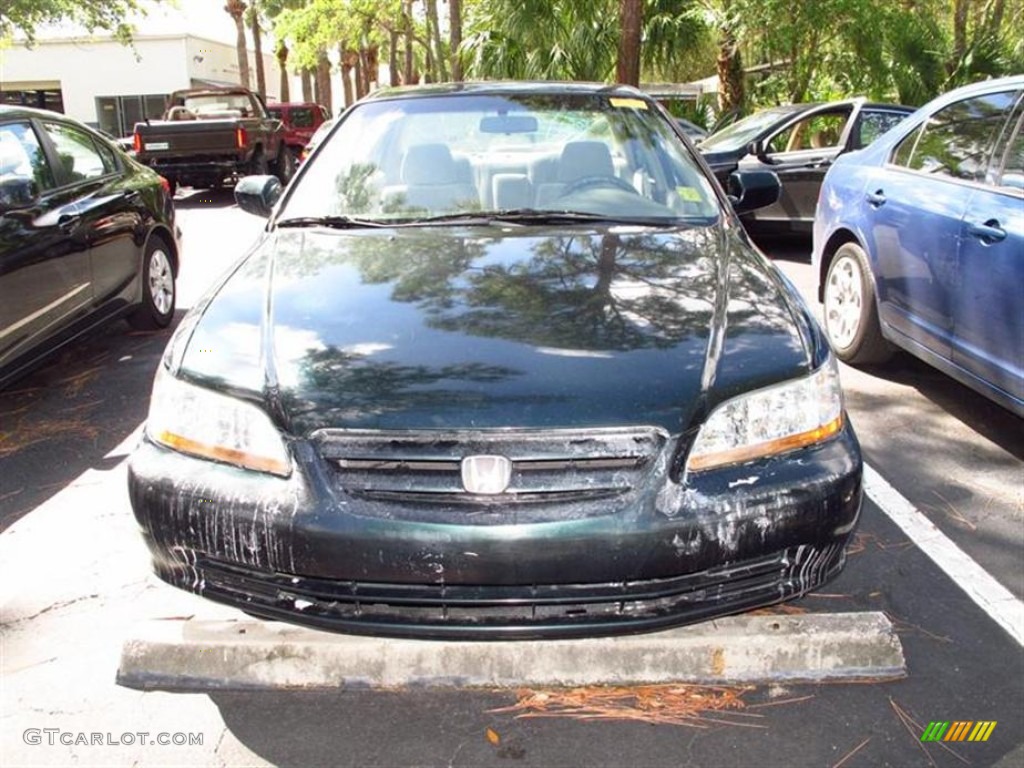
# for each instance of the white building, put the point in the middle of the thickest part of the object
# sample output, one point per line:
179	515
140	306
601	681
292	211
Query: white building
96	79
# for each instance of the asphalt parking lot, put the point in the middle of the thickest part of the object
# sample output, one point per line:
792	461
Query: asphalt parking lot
74	579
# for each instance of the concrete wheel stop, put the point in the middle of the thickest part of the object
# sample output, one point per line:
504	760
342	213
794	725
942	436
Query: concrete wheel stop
223	654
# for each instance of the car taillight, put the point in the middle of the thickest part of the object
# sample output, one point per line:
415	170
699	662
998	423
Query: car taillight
240	137
137	142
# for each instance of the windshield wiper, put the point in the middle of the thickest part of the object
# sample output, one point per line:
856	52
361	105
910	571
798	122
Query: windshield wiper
538	216
334	222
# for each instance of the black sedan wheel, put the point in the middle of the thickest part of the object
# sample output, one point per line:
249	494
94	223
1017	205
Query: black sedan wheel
851	312
158	289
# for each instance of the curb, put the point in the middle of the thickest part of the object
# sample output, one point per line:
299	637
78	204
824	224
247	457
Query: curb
215	655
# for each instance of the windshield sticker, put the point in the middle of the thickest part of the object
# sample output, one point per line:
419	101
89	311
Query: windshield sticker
689	194
628	103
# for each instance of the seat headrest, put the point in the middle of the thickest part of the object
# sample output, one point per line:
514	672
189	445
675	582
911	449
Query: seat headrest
429	164
585	158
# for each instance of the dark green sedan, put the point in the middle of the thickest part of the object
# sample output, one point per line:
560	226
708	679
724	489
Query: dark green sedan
503	364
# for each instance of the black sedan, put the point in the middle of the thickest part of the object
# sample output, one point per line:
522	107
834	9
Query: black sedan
86	235
503	364
799	142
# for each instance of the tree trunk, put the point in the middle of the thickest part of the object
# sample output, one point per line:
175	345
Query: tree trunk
307	85
323	81
236	9
257	49
995	19
960	8
282	63
371	67
348	64
729	65
357	64
627	67
393	72
455	37
408	76
434	35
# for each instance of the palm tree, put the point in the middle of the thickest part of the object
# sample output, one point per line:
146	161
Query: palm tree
236	10
282	63
630	22
257	47
455	37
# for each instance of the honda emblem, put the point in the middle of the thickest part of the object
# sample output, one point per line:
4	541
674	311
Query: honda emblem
486	475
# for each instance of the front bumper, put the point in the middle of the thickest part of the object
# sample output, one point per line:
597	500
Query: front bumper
295	550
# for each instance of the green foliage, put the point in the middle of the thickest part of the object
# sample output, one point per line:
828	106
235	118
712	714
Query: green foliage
907	51
26	16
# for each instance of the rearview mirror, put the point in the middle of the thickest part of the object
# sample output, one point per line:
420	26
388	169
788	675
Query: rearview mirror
750	190
508	124
257	194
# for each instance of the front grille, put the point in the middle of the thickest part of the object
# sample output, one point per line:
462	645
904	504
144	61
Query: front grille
547	466
531	610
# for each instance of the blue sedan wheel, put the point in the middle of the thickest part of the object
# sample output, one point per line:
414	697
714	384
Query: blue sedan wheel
851	313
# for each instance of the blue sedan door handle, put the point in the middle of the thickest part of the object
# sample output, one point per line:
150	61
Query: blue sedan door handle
989	232
876	199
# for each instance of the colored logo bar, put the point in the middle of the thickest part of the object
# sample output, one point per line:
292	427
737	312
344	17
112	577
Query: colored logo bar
959	730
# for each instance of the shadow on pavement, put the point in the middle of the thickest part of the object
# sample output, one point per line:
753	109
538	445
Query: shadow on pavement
63	418
976	411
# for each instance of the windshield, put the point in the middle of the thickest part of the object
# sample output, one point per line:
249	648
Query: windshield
219	105
741	133
416	158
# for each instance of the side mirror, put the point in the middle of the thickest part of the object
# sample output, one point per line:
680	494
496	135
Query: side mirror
257	194
17	192
750	190
757	149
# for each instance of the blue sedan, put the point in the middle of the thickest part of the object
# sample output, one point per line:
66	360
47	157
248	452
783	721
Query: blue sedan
919	242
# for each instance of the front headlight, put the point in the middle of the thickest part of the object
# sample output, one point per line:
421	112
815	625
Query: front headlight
202	423
770	421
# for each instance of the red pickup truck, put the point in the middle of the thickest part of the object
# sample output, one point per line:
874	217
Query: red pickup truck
210	136
301	119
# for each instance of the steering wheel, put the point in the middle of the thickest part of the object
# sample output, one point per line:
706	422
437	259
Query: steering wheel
586	182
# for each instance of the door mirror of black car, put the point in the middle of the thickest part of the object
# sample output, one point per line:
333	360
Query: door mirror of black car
257	194
758	150
17	192
750	190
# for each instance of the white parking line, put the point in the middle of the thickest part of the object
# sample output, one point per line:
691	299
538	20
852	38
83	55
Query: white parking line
991	596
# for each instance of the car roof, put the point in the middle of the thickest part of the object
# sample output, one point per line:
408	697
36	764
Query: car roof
983	86
502	87
10	110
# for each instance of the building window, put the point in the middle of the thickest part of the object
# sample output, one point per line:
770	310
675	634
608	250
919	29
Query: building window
51	99
118	114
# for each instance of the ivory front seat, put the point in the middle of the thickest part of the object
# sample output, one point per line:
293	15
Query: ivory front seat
579	160
433	180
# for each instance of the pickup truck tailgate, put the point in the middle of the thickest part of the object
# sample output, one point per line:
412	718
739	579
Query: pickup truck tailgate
192	137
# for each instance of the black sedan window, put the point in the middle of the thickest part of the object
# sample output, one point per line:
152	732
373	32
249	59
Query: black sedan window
80	158
818	131
871	125
24	171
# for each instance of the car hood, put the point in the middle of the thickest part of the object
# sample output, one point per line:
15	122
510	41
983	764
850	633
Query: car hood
455	328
